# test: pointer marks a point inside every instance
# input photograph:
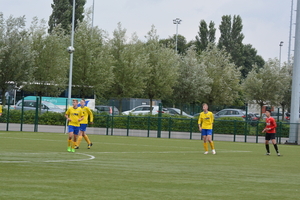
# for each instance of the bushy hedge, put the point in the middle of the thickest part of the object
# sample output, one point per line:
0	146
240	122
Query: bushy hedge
230	125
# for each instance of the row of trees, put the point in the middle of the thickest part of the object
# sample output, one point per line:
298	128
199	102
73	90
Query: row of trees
124	66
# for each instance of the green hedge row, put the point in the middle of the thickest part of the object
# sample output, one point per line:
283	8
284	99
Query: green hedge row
225	125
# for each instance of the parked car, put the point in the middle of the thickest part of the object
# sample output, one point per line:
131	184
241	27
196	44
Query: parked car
144	109
107	109
273	114
31	105
177	111
230	112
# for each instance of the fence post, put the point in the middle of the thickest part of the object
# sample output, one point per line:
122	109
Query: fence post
8	113
107	124
22	115
278	138
148	133
128	125
36	120
159	120
191	129
234	131
170	126
257	131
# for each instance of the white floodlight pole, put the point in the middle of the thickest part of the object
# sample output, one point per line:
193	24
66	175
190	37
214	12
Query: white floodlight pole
280	45
294	116
176	21
71	51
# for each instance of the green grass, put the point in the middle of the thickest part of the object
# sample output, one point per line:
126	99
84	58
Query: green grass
37	166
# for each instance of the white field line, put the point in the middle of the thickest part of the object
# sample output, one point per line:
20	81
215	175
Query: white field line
90	157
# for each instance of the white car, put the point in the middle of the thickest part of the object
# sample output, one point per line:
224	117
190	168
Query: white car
144	109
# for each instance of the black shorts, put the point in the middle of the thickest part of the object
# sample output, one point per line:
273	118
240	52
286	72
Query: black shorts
270	136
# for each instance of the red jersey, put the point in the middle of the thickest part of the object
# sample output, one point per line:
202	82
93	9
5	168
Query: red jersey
271	123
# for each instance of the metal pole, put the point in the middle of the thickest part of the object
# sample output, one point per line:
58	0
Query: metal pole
176	21
290	35
294	118
93	13
71	48
280	45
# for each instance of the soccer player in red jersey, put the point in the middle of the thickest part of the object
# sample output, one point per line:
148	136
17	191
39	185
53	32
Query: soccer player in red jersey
270	131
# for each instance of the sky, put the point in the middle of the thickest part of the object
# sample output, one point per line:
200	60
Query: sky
265	22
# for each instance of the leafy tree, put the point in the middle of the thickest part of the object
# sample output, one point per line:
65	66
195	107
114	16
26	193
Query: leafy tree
93	71
48	72
205	35
193	81
62	14
130	65
15	53
163	64
225	78
251	59
262	85
171	43
231	38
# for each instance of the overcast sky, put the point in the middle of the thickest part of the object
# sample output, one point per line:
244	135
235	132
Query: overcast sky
265	22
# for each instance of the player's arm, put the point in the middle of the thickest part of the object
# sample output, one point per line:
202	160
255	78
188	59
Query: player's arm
91	116
67	115
200	122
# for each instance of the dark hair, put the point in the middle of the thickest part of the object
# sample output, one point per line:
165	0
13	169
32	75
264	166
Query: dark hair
269	111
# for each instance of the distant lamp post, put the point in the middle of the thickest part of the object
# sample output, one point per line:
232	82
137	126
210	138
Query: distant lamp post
176	21
280	45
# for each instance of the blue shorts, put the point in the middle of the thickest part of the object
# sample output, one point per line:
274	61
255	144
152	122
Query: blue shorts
83	127
206	132
74	129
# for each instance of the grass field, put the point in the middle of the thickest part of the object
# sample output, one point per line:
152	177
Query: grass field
37	166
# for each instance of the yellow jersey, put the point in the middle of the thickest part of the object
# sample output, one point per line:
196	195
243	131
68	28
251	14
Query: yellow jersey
206	120
87	113
0	108
74	114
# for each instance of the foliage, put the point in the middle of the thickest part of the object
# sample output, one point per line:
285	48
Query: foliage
205	35
93	71
193	81
229	125
163	65
225	85
62	11
15	54
48	72
131	68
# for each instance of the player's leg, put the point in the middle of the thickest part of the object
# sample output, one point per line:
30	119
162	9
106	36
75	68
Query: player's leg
75	135
204	136
85	136
79	137
267	146
70	135
275	145
209	139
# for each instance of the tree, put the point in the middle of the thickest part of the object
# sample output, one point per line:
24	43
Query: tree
171	43
205	35
231	38
62	14
130	65
93	71
225	78
251	59
163	64
262	85
48	72
15	53
193	81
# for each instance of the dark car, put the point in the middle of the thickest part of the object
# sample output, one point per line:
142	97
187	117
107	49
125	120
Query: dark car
31	105
107	109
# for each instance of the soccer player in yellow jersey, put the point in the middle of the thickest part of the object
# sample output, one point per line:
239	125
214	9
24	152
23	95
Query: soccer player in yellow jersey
83	124
205	123
0	110
74	115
